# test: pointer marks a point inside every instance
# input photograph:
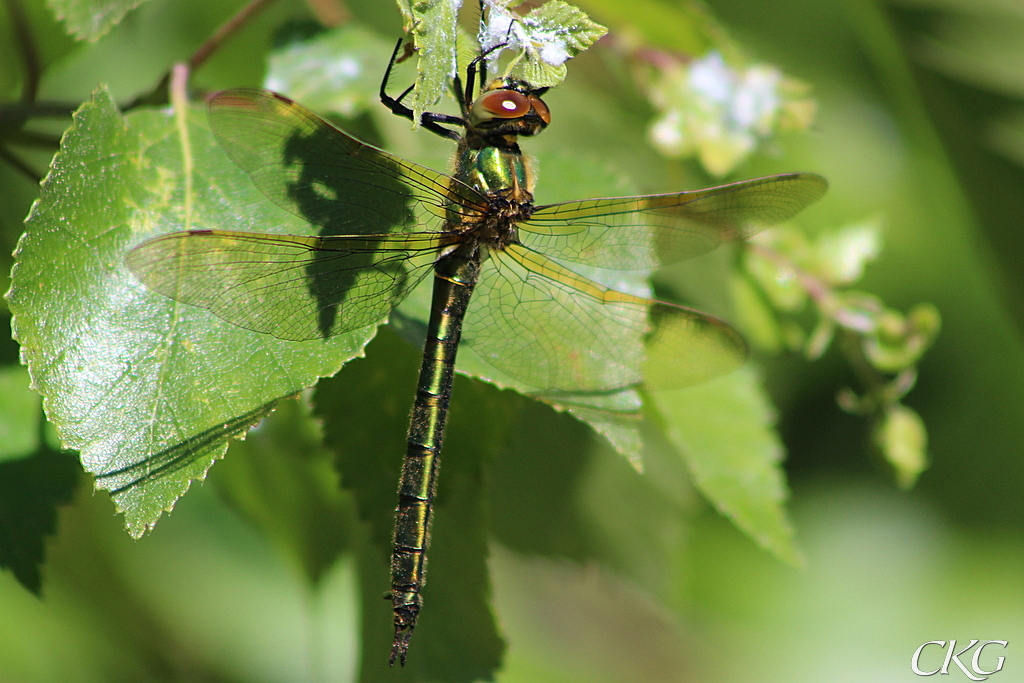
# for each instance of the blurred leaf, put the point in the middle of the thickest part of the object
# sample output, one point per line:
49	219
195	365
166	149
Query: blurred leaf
31	489
90	19
534	486
687	26
51	42
365	414
971	88
620	427
779	282
902	439
979	43
368	451
183	382
1006	136
20	414
820	338
724	431
338	70
637	523
283	479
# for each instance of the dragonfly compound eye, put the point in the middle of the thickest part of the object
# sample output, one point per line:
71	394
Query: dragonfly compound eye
540	109
501	104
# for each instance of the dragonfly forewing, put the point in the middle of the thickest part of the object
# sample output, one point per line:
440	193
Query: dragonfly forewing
636	233
292	287
325	176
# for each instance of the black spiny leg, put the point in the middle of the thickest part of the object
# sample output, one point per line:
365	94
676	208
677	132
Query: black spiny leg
429	120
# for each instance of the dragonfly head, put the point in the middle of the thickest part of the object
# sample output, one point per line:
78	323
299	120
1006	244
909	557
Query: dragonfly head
509	107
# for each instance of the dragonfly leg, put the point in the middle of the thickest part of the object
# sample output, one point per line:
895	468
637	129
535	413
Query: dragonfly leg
429	120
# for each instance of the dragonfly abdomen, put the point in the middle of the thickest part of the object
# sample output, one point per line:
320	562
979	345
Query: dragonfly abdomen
455	275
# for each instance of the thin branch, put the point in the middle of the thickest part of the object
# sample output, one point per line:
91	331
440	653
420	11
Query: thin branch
225	31
158	95
21	111
816	288
823	296
329	12
31	138
20	165
29	53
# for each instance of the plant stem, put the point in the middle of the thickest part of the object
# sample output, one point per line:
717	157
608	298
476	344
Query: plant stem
29	53
225	31
158	95
19	164
21	111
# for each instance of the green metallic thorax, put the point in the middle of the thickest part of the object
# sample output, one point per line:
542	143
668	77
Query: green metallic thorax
495	171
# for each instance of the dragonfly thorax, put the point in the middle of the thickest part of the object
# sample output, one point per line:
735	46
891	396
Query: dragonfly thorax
492	228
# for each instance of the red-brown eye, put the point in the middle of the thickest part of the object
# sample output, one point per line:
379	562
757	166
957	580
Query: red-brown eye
502	104
540	109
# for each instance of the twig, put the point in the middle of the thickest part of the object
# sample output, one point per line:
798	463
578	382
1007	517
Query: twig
225	31
816	288
20	165
21	111
823	296
29	53
158	95
329	12
31	138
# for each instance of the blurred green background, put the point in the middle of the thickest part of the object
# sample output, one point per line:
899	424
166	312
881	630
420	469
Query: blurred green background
599	573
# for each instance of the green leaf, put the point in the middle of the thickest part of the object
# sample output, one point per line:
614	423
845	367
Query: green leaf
147	389
337	70
978	43
435	32
685	27
759	323
284	481
724	431
90	19
779	283
546	38
902	439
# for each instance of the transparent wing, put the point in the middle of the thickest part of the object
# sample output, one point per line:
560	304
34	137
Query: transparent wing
634	233
318	172
555	330
370	206
291	287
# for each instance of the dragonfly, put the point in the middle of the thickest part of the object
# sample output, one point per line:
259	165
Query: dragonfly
511	277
